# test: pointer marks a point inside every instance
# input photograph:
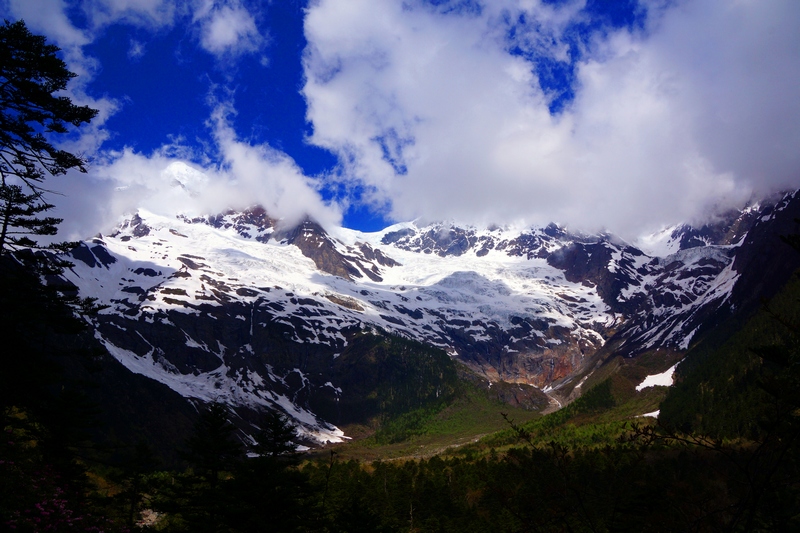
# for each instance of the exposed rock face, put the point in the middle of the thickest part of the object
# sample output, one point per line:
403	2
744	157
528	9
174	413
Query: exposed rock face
348	262
763	261
610	268
729	229
234	307
444	240
253	222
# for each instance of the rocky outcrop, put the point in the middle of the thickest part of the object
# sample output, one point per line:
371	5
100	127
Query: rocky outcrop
237	308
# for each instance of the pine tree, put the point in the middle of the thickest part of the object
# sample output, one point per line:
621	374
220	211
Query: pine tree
213	447
276	437
45	415
268	492
31	111
201	497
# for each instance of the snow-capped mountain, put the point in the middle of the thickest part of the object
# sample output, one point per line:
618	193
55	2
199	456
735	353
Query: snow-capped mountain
236	308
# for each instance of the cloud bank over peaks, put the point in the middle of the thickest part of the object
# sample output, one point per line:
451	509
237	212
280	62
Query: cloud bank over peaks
238	174
694	110
261	174
170	181
502	112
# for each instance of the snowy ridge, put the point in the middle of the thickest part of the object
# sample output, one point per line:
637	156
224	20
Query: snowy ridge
218	386
211	306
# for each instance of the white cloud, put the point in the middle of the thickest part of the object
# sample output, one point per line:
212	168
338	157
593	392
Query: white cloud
152	14
431	110
48	17
260	174
247	174
136	50
227	29
121	182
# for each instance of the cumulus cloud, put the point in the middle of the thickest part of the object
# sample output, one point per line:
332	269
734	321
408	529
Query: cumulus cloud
697	110
437	111
266	176
227	29
170	181
48	17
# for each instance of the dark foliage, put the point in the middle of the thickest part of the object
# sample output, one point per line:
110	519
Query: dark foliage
742	385
276	436
268	492
387	376
46	418
133	477
213	447
225	491
31	111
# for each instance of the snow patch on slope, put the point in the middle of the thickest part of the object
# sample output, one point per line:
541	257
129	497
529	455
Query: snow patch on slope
664	379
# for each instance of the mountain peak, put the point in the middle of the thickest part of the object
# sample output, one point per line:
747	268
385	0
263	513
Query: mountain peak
234	306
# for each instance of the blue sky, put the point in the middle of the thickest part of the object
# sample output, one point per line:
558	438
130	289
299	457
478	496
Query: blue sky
623	115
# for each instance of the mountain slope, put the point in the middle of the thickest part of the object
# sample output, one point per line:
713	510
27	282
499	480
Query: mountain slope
235	308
